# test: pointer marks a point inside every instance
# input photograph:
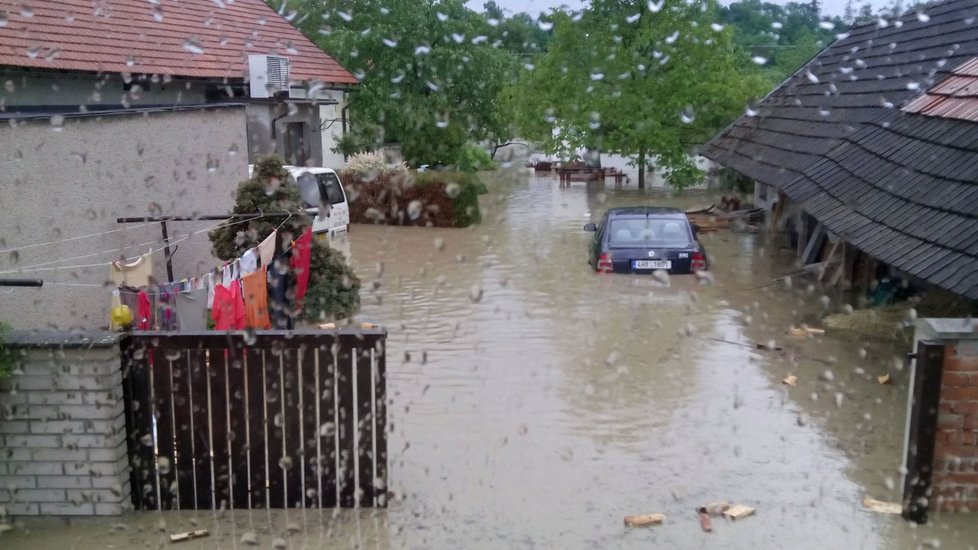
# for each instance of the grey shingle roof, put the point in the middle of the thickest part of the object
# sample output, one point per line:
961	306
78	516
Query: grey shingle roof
902	187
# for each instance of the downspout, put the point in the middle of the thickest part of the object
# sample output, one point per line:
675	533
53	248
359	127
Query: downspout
343	121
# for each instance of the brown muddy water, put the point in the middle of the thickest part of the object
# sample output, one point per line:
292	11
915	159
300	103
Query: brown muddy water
535	403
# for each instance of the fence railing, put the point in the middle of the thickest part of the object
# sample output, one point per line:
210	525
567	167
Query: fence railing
272	419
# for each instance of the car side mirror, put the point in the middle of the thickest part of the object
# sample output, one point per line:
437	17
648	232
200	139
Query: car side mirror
590	227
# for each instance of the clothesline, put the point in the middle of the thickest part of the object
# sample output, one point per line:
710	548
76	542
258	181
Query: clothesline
43	265
70	239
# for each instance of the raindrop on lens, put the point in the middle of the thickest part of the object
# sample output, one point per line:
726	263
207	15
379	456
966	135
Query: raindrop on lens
687	115
414	209
545	26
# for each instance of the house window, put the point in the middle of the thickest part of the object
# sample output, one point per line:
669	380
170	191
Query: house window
295	144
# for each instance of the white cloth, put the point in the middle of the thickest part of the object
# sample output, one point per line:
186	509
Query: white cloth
210	290
248	263
267	249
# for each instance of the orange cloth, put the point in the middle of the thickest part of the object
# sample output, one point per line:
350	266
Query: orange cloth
254	289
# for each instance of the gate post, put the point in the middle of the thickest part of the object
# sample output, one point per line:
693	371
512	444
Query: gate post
925	391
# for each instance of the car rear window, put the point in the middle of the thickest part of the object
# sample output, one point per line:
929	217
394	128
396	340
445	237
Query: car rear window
648	232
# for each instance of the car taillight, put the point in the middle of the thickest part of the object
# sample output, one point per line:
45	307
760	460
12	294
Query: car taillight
604	263
698	263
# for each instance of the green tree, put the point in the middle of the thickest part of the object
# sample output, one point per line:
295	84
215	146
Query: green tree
429	74
649	87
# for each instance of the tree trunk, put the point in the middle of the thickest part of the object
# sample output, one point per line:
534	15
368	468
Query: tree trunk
641	169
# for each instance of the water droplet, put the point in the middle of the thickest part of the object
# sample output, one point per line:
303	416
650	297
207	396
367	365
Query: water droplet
662	276
913	85
655	7
390	43
277	420
687	115
671	39
26	10
827	25
414	209
458	38
193	46
452	189
147	440
597	76
422	50
922	17
480	39
157	13
442	122
760	60
750	110
545	26
841	36
4	18
345	16
327	429
716	27
441	17
58	123
633	18
431	85
285	463
439	243
279	543
163	465
249	538
882	23
811	77
776	25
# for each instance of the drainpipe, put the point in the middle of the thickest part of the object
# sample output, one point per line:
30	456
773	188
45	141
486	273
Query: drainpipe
343	121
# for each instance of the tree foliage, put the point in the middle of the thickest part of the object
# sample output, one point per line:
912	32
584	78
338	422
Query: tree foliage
624	79
429	71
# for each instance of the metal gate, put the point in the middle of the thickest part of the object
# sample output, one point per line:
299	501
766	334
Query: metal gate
271	419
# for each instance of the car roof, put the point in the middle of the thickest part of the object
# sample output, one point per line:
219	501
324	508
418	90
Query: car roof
296	170
645	211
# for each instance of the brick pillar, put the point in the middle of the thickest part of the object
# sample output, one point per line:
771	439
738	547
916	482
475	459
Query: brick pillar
954	481
62	427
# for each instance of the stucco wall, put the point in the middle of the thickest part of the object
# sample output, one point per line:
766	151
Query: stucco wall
73	182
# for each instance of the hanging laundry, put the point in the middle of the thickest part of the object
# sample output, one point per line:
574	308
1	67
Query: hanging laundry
266	250
165	306
301	259
227	274
254	288
248	263
191	310
144	312
210	289
279	282
229	311
137	273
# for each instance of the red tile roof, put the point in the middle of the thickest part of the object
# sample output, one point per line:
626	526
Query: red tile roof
190	38
954	97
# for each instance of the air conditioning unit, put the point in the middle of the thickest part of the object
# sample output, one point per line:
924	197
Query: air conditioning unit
269	75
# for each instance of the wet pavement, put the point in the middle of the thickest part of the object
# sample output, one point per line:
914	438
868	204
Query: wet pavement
535	403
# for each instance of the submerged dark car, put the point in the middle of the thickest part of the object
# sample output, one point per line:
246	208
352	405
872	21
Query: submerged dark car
643	240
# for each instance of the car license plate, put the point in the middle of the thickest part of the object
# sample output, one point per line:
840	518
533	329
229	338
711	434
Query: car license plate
651	264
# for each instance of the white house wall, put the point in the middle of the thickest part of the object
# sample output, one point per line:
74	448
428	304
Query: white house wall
331	128
77	181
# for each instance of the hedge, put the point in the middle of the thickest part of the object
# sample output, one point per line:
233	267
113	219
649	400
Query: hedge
433	199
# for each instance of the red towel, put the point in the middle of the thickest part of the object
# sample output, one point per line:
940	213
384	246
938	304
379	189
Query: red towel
229	309
301	259
144	312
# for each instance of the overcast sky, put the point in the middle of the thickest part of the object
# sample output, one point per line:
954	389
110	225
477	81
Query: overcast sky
533	7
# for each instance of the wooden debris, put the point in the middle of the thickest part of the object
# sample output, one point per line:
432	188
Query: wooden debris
705	524
716	509
189	535
738	511
644	520
791	380
874	505
805	331
884	379
368	325
327	326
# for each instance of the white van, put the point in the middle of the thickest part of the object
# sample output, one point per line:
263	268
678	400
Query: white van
325	198
321	187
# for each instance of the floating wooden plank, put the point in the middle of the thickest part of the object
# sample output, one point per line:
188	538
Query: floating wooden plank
791	380
738	511
705	523
644	520
189	535
883	378
882	507
717	508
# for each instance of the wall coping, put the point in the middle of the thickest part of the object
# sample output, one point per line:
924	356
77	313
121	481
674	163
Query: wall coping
950	327
62	338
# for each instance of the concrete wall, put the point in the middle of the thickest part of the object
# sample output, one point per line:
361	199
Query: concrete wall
36	88
330	117
71	182
62	427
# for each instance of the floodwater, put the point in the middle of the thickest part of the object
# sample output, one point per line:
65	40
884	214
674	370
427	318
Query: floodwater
535	403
